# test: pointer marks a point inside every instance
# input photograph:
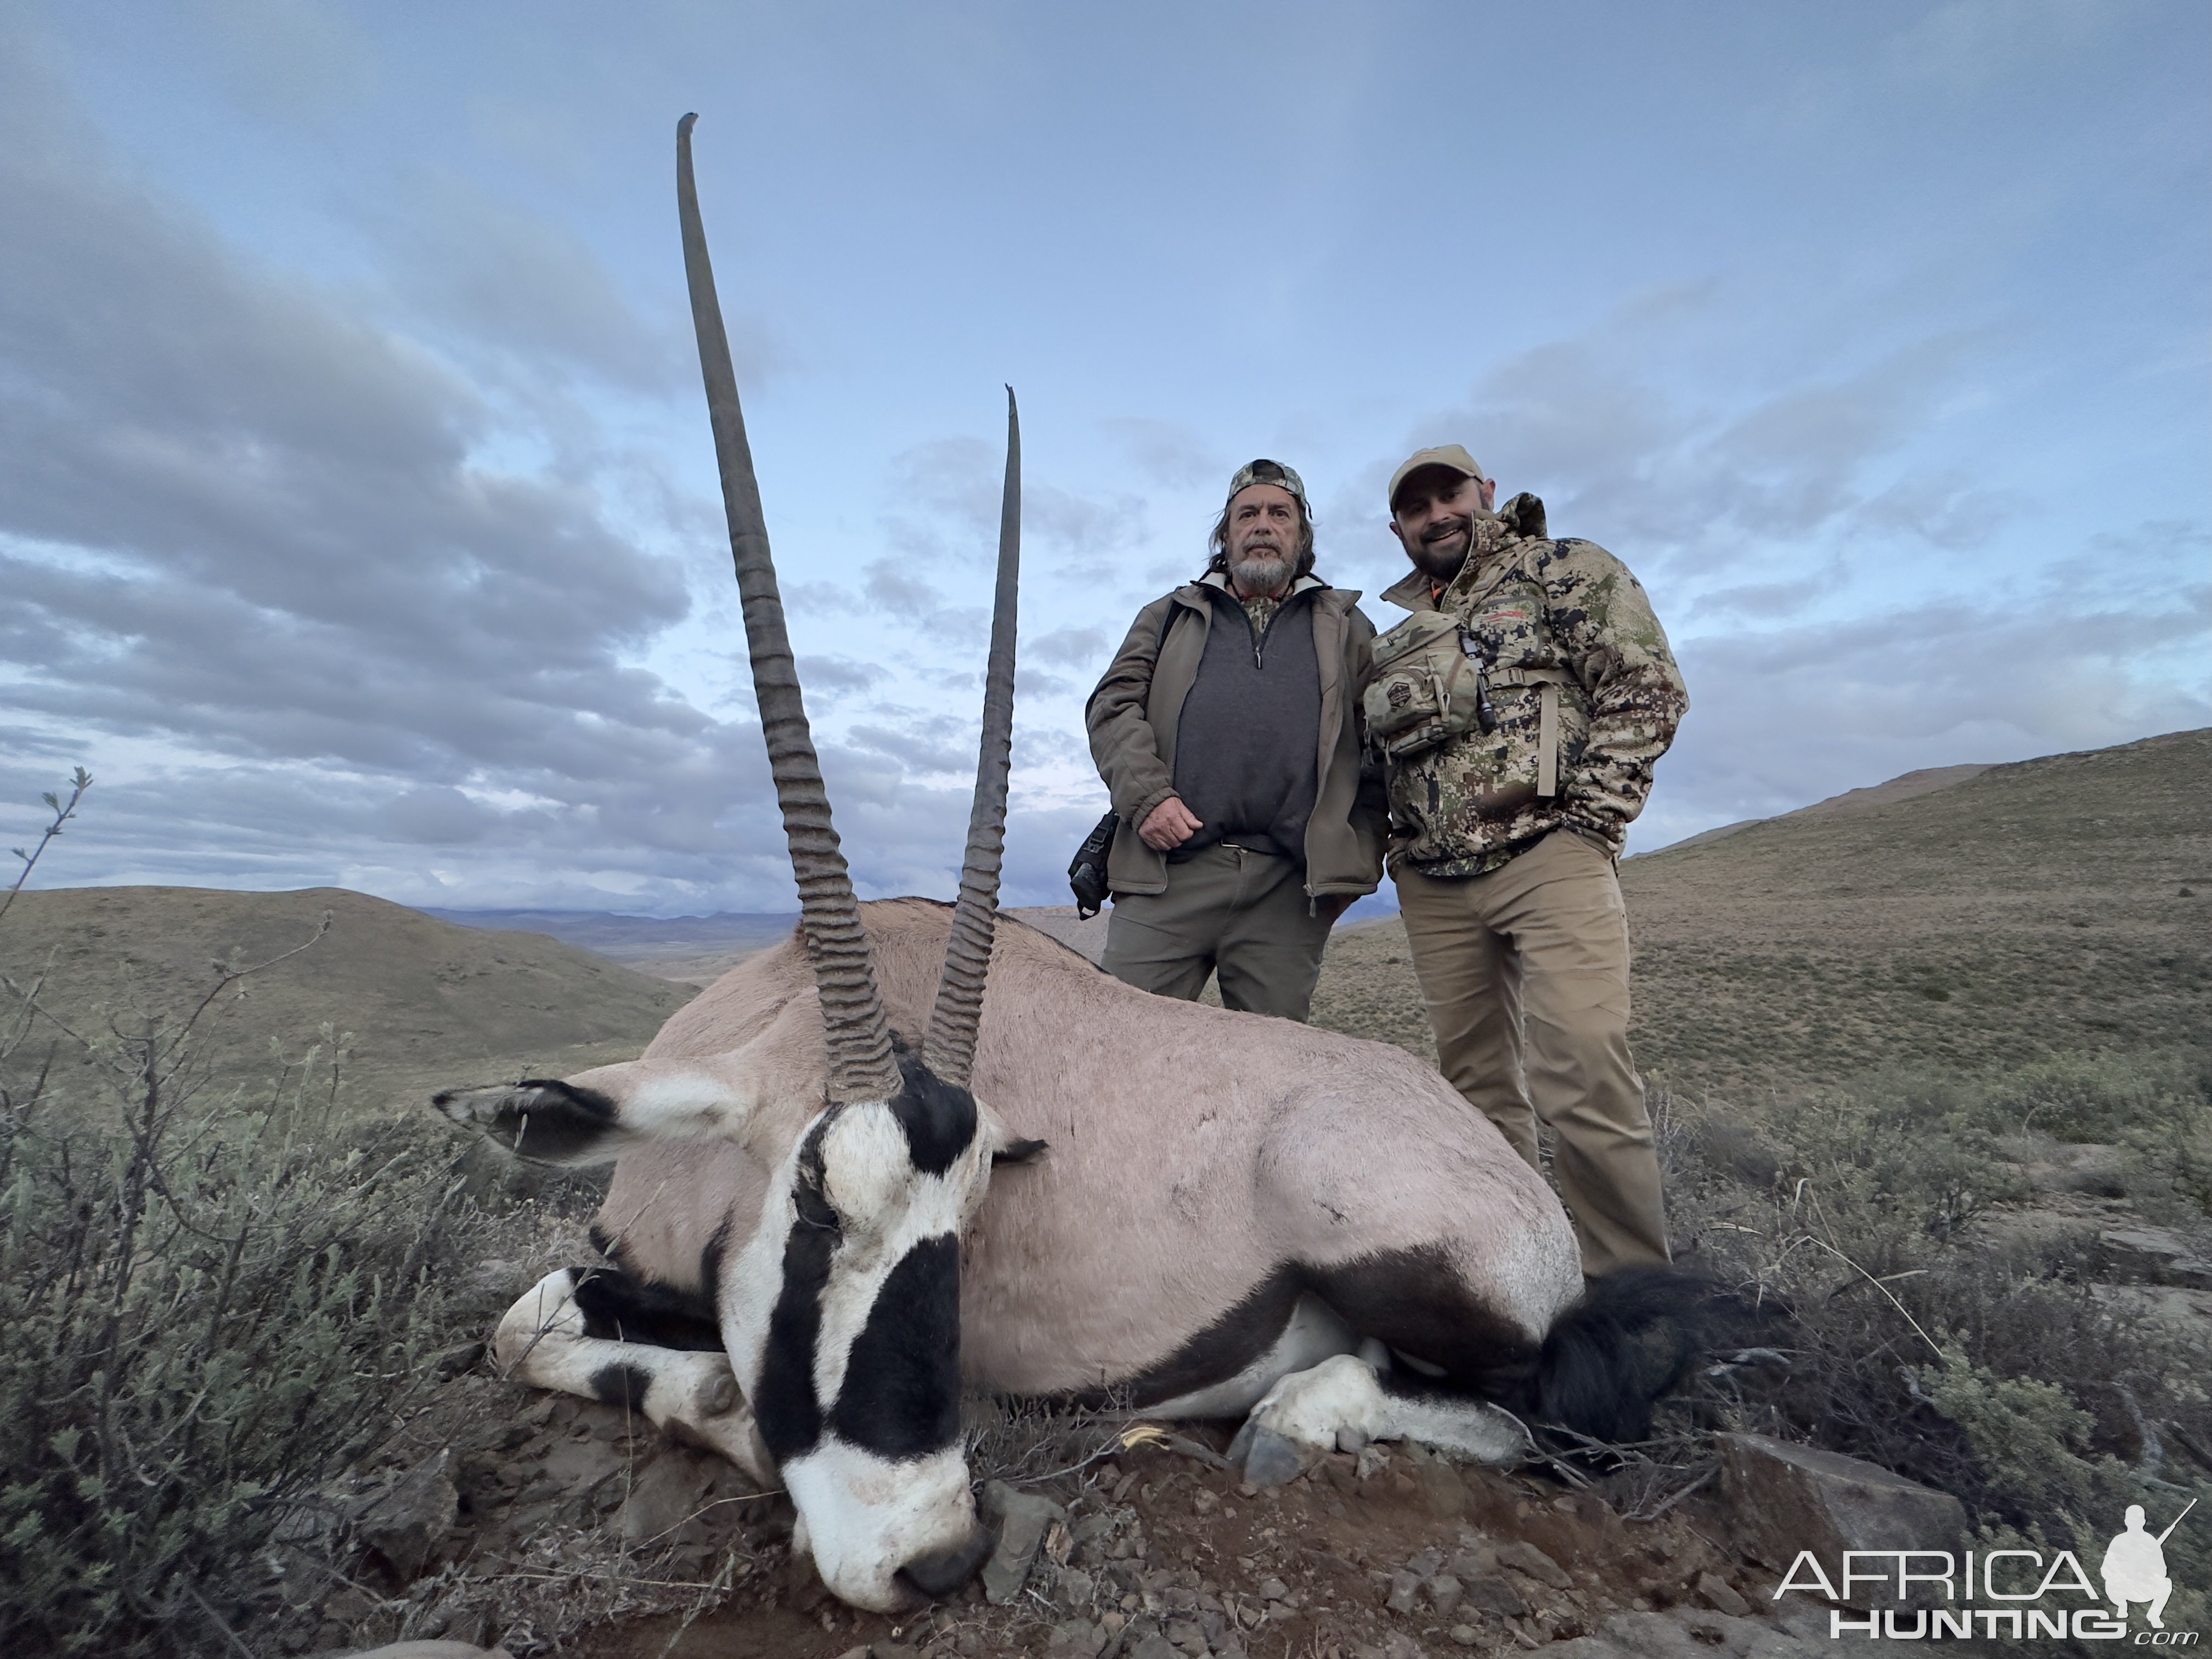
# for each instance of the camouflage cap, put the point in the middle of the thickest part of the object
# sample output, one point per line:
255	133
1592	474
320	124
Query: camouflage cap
1270	473
1451	456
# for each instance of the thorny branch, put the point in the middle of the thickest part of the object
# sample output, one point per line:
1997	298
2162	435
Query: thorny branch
80	780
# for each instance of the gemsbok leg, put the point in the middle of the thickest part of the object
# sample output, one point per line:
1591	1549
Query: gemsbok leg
550	1340
1351	1399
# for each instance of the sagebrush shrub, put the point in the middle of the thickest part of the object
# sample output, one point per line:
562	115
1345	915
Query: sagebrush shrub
206	1318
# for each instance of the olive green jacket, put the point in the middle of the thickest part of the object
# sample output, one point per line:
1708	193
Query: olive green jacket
1132	716
1550	618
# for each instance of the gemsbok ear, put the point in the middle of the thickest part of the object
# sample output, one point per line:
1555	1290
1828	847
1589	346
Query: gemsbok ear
1019	1152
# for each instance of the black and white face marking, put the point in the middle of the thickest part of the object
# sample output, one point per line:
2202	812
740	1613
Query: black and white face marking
856	1386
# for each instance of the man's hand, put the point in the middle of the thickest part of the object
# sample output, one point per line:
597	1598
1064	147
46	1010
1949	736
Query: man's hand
1168	825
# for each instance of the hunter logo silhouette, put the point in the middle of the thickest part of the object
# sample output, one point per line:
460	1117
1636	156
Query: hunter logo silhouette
2135	1567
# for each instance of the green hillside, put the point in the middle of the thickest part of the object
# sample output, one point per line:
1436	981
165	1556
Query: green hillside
429	1003
2060	905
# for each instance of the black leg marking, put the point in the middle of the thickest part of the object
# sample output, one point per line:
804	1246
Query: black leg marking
621	1307
1416	1303
1221	1349
902	1393
620	1385
1411	1299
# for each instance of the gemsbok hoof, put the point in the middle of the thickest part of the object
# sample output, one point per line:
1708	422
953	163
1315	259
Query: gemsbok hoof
717	1396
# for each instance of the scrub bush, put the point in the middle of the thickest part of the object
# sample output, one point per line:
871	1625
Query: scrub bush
206	1318
1927	1334
210	1308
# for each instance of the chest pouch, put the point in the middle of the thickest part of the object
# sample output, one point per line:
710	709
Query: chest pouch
1426	688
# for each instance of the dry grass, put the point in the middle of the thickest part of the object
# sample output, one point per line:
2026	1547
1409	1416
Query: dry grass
2033	911
430	1004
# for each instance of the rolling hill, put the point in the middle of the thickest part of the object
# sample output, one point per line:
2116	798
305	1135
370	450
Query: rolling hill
429	1003
2052	906
695	950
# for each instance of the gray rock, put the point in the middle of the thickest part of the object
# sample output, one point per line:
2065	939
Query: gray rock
1477	1562
1494	1594
1273	1590
1076	1587
1271	1459
1684	1634
1079	1638
2155	1253
1425	1564
1154	1646
407	1526
1524	1557
430	1650
1404	1586
663	1501
1022	1519
1444	1594
1721	1595
1784	1498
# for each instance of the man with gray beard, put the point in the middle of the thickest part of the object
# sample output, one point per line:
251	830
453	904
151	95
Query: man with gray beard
1227	731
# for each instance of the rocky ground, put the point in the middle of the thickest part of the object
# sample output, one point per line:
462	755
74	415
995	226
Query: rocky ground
556	1524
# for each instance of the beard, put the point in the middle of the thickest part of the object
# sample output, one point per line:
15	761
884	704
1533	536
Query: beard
1442	558
1261	569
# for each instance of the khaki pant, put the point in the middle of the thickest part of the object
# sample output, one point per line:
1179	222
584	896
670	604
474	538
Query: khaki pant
1244	913
1525	974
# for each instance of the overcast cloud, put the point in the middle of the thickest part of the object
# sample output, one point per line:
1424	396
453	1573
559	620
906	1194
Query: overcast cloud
358	515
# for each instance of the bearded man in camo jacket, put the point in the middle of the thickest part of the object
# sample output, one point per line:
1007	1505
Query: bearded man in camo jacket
1504	836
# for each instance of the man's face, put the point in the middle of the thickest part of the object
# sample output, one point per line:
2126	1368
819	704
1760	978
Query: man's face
1265	529
1433	518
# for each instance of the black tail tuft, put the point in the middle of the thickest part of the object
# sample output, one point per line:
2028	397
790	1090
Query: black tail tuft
1631	1338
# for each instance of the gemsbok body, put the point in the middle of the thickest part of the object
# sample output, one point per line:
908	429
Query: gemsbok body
1208	1214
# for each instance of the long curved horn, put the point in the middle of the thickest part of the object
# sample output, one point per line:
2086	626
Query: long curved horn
861	1065
949	1047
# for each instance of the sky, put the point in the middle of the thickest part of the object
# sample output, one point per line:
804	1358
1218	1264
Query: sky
358	517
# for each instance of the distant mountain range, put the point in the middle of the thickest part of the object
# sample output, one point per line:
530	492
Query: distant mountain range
696	949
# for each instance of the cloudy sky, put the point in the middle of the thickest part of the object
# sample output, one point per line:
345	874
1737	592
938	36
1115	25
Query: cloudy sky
357	513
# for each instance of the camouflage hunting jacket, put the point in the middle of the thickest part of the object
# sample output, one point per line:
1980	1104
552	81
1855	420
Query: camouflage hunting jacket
1558	622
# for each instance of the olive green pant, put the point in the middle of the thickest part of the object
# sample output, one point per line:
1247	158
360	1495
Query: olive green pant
1229	910
1525	974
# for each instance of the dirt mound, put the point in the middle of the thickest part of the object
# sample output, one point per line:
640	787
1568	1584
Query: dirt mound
1152	1550
2055	906
429	1003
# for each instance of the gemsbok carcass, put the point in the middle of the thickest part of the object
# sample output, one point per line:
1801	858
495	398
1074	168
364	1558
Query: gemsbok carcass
1213	1214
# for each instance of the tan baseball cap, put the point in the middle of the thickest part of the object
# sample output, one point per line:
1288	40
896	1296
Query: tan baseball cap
1453	456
